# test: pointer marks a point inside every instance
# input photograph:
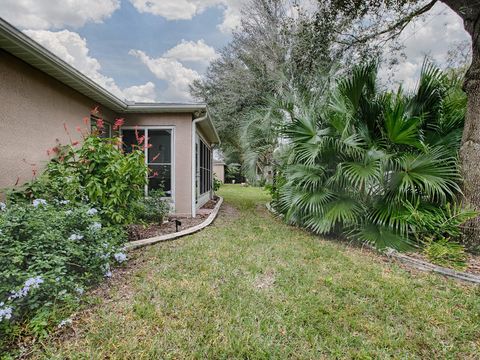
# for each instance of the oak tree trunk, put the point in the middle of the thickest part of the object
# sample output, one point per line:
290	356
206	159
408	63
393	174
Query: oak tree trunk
469	11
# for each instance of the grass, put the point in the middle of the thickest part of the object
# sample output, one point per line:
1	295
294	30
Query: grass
252	287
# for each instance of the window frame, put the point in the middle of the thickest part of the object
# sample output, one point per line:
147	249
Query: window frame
93	123
172	164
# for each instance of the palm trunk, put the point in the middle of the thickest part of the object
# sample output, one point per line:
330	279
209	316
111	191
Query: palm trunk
469	11
470	152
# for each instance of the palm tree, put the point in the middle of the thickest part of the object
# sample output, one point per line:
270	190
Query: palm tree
377	166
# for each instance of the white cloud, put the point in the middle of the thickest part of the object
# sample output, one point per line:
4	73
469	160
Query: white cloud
73	49
192	51
170	68
187	9
55	14
177	76
432	36
141	93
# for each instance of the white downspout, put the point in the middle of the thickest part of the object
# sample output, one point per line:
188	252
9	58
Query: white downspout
194	161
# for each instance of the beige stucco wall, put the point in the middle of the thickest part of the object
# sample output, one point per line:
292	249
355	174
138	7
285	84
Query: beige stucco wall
182	124
34	107
219	171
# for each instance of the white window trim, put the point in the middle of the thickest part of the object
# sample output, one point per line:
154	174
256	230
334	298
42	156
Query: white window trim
145	128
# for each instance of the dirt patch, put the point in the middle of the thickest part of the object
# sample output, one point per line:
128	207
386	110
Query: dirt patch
211	204
147	231
227	214
265	281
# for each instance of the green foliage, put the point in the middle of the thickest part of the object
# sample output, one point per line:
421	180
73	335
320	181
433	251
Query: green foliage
447	253
233	172
50	253
369	165
217	184
153	208
97	172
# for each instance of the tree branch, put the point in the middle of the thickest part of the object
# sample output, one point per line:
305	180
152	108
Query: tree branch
399	25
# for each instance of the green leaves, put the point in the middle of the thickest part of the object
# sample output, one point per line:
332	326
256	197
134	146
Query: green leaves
399	127
373	165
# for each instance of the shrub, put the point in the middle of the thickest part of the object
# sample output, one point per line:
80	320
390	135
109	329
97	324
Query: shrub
50	253
447	253
216	184
375	166
153	208
97	172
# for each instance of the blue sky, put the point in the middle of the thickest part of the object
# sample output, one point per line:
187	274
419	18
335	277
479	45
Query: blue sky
141	50
127	29
152	50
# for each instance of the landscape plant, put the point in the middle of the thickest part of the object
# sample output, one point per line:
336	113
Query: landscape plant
51	252
153	208
63	231
97	172
377	166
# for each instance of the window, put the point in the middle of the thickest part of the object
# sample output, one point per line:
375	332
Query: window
204	168
158	155
107	128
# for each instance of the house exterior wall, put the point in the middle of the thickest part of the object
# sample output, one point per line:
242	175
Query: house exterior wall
34	108
219	171
182	124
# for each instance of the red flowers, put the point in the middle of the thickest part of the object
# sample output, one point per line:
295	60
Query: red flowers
100	124
118	123
54	150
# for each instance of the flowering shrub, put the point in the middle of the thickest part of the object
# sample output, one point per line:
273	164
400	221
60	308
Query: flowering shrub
97	172
50	252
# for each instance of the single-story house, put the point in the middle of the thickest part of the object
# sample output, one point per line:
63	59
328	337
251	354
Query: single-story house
219	170
40	93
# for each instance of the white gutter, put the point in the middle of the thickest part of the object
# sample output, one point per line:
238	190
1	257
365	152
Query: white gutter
194	160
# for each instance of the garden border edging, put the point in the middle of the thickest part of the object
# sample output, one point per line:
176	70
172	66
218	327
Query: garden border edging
429	267
151	241
416	263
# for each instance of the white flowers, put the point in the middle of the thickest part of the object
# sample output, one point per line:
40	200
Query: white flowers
92	212
79	291
64	202
75	237
3	206
68	212
31	283
5	312
106	270
66	322
95	226
37	202
120	257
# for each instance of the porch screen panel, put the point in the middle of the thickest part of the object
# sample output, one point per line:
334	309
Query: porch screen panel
160	160
205	168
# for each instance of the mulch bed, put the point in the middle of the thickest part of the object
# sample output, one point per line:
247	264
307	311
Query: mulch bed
147	231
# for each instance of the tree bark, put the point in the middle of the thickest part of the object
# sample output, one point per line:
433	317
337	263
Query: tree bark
469	11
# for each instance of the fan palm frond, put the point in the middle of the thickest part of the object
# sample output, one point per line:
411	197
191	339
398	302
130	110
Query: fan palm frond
433	174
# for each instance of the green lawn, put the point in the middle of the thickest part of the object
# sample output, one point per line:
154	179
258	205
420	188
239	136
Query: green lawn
252	287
